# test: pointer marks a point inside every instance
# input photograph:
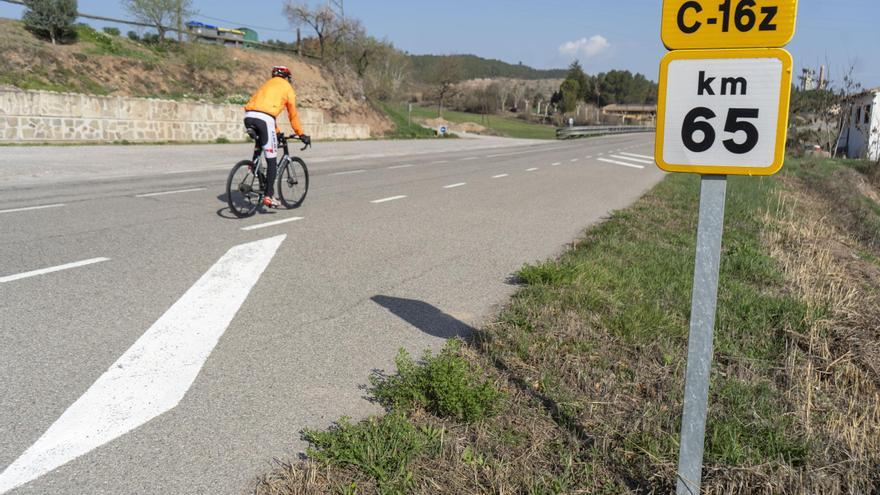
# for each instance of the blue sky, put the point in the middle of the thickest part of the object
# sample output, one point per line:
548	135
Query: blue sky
603	34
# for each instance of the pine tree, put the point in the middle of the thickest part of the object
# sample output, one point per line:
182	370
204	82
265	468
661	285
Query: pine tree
52	19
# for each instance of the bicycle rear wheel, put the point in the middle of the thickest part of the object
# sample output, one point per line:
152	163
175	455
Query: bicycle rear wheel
243	190
293	183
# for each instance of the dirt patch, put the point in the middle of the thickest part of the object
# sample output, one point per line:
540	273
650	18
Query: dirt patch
467	127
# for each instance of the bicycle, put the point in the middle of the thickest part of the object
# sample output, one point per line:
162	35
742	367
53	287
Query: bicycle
246	186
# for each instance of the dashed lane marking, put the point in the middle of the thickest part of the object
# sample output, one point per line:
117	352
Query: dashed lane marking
30	208
43	271
164	193
615	162
385	200
271	224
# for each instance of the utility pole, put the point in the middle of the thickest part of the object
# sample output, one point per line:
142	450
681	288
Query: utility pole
338	7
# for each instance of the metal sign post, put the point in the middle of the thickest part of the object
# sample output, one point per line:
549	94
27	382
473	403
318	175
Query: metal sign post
722	110
713	191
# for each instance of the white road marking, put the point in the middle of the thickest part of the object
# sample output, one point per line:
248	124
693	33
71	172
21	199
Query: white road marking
469	158
150	195
631	159
620	163
438	162
271	224
453	186
349	172
385	200
408	165
587	158
556	164
189	171
600	154
531	169
43	271
517	153
156	372
499	176
574	160
29	208
639	156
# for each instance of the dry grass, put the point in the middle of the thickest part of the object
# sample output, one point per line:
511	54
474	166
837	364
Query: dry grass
832	369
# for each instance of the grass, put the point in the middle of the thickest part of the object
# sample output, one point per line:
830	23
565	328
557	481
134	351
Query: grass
381	447
445	385
583	370
403	129
504	126
106	44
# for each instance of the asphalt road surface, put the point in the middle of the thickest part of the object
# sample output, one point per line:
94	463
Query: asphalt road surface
151	343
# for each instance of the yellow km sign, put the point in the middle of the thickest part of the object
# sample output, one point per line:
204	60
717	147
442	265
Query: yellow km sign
689	24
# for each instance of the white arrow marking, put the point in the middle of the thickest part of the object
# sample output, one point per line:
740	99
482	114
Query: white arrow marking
155	373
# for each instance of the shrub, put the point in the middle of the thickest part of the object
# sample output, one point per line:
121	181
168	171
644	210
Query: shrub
112	31
381	447
445	385
221	140
51	19
133	36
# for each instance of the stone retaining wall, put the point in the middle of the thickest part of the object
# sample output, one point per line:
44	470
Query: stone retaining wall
45	116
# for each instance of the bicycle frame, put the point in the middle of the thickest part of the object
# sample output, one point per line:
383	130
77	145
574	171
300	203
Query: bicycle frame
258	162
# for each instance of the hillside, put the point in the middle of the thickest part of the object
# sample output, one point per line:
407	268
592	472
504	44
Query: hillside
115	65
474	67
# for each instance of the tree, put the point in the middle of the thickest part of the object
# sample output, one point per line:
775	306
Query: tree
570	95
322	20
445	77
52	19
160	13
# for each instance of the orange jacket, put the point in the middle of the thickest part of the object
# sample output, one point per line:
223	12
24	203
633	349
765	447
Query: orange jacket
272	98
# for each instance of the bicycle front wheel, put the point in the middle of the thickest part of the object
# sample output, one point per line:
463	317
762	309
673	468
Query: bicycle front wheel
243	190
293	183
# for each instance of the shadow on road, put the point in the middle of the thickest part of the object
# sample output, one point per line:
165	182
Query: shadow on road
425	317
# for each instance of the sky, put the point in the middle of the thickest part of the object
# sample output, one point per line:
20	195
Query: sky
602	34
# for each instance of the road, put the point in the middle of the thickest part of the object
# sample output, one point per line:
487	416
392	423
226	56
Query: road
150	343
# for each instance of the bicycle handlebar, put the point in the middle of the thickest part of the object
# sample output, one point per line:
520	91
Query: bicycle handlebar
282	138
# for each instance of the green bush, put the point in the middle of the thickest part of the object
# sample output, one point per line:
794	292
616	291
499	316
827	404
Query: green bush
133	36
221	140
51	19
445	385
112	31
381	447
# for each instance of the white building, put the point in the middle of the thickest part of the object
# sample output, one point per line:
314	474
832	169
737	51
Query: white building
861	139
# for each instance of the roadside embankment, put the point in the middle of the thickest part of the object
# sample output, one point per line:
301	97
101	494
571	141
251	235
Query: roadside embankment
28	116
576	387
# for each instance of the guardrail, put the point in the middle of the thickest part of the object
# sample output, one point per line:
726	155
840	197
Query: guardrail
599	130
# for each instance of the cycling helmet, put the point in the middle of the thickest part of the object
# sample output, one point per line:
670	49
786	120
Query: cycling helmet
281	71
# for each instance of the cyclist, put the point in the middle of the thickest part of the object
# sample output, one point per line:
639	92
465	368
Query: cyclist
261	111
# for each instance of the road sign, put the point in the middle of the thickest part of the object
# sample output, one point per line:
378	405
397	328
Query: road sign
723	111
443	130
689	24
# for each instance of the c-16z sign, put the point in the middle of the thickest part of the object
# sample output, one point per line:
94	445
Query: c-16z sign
691	24
723	111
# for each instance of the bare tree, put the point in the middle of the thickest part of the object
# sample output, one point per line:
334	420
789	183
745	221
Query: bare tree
445	77
504	89
160	13
321	19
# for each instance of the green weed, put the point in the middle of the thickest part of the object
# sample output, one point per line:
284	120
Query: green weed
445	385
381	447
